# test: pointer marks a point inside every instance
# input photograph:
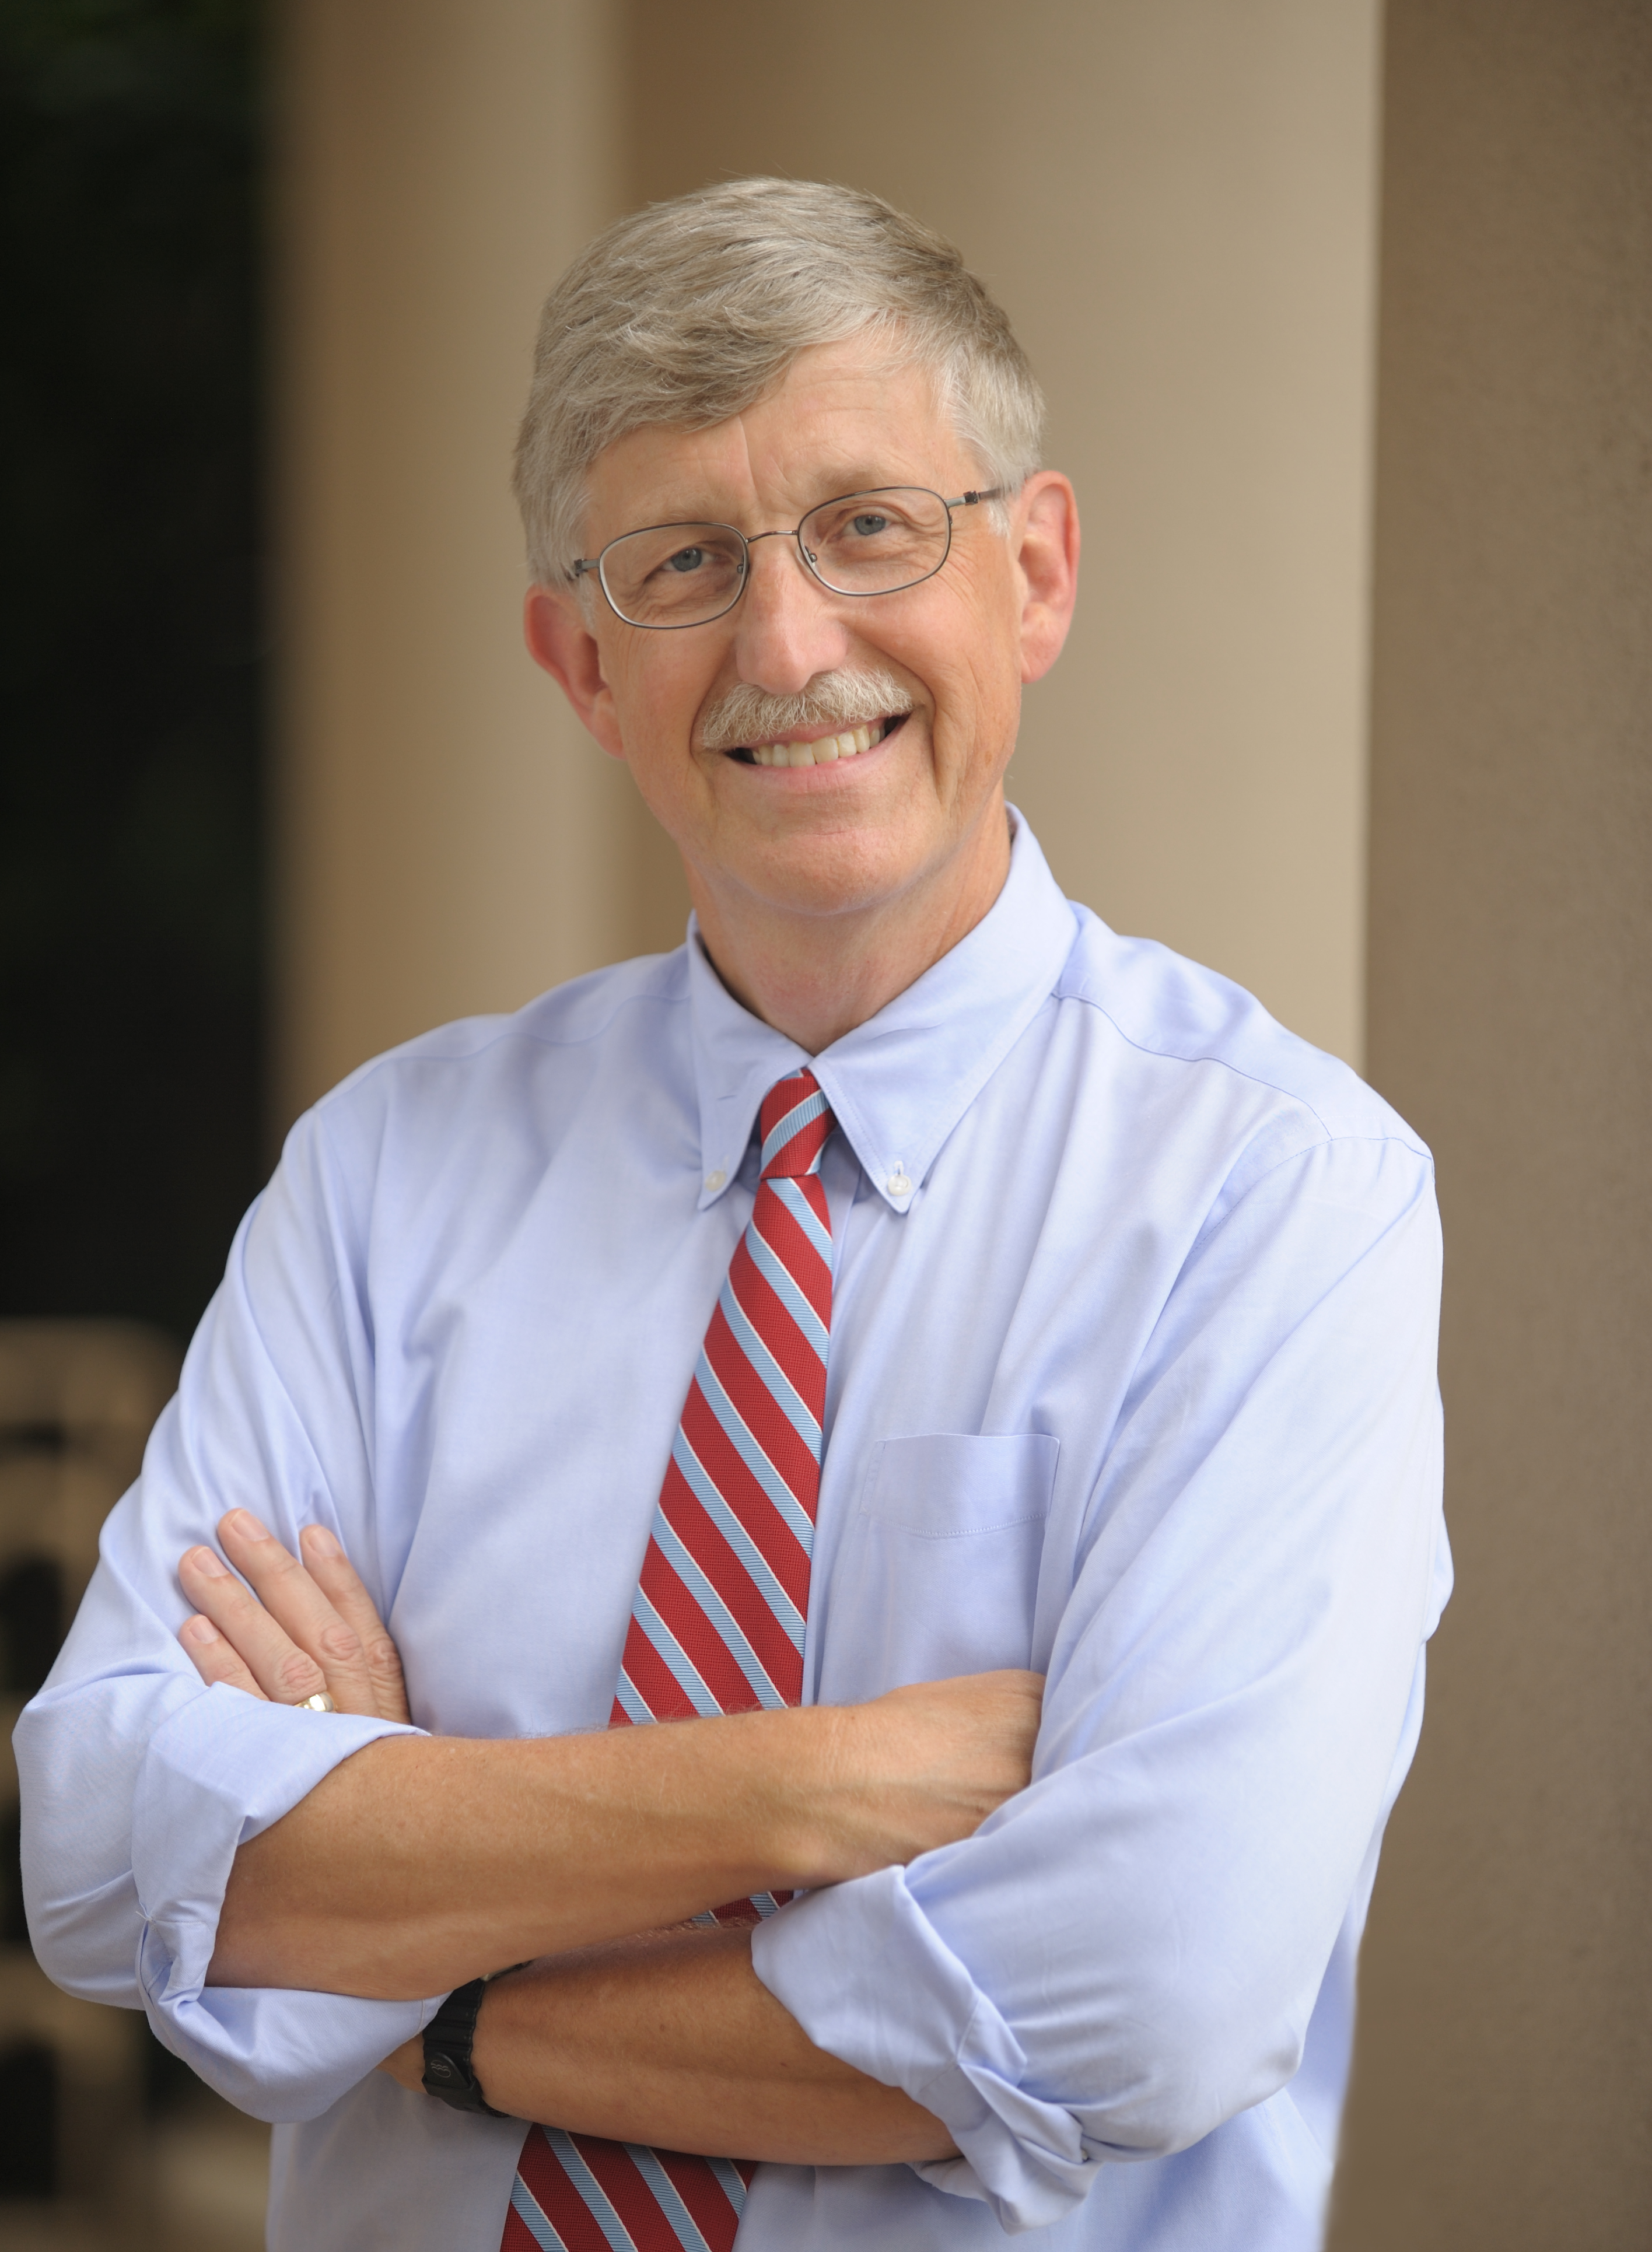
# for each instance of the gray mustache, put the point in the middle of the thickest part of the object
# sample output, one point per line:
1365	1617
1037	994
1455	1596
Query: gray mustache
747	716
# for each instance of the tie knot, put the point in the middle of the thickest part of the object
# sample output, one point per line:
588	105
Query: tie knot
795	1121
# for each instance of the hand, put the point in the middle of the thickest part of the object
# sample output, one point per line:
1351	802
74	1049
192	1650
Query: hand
406	2064
301	1626
921	1767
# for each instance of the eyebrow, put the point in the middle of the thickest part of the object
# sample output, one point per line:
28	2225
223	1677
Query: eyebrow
832	485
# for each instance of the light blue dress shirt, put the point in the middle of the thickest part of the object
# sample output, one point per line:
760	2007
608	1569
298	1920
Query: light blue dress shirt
1131	1379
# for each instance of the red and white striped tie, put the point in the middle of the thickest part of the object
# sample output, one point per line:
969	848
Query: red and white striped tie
717	1627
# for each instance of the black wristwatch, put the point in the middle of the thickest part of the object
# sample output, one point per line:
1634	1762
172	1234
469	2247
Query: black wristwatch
446	2052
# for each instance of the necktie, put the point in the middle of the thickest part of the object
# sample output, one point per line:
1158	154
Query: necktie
716	1626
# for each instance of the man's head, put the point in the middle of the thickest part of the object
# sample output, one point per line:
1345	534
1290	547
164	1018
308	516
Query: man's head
686	313
738	359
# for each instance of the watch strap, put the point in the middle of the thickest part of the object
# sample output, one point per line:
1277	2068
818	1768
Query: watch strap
447	2073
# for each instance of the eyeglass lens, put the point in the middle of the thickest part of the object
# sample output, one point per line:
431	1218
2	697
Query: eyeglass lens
680	574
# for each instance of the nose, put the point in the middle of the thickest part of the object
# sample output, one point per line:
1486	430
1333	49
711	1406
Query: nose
787	628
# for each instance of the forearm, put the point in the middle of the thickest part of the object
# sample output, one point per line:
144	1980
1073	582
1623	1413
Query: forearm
422	1862
670	2039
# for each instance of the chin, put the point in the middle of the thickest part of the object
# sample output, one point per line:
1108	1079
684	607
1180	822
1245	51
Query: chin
848	873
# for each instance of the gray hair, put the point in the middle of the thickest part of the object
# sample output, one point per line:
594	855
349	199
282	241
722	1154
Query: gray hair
687	312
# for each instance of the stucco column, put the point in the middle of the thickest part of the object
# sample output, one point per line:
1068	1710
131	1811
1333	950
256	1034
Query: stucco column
448	840
1504	2080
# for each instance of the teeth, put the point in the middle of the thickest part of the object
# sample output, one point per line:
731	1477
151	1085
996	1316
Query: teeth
823	752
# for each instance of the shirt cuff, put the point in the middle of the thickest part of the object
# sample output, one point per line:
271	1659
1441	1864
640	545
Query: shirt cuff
870	1980
222	1770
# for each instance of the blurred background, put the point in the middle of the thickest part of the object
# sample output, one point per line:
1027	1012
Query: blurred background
1345	316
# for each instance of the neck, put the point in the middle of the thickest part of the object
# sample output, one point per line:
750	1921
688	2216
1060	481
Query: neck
815	975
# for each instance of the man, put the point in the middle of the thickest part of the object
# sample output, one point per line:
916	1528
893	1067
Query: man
1065	1313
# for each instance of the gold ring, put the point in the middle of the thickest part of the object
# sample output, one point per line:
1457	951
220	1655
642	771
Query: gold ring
321	1702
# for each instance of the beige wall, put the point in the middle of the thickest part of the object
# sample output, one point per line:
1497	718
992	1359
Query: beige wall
1503	2087
1175	198
448	839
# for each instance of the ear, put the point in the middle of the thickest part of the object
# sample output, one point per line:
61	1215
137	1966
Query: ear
1045	524
560	640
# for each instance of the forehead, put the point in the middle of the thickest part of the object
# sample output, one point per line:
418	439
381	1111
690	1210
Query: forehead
843	416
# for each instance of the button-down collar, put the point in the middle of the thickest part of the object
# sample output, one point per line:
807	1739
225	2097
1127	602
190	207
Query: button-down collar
900	1083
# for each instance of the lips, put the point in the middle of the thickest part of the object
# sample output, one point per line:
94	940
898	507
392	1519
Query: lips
825	750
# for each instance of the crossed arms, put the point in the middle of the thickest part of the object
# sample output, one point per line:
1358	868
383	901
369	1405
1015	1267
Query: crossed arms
423	1862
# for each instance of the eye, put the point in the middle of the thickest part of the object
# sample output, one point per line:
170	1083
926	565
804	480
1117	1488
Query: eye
686	559
868	524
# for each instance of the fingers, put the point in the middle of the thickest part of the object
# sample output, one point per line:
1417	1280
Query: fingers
335	1575
300	1627
281	1627
301	1610
1008	1680
214	1658
280	1668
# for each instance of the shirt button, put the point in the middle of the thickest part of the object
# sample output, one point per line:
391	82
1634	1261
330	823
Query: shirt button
714	1181
898	1184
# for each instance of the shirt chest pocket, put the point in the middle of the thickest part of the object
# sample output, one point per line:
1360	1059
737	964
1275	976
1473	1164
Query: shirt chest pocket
940	1568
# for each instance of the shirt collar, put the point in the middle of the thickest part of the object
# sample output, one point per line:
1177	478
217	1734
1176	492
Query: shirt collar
900	1083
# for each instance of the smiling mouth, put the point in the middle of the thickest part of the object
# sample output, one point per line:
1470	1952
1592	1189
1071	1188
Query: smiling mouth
827	750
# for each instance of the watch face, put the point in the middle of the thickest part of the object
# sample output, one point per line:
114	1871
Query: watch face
452	2083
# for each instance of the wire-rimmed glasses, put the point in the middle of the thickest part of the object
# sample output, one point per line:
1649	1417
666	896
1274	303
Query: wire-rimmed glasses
667	575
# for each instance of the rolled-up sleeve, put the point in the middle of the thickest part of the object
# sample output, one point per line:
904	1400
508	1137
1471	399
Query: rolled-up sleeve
1128	1953
139	1784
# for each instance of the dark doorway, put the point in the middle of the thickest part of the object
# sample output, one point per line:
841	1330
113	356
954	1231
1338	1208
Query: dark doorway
130	981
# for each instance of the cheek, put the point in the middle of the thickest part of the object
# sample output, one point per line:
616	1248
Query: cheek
656	696
979	699
978	669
